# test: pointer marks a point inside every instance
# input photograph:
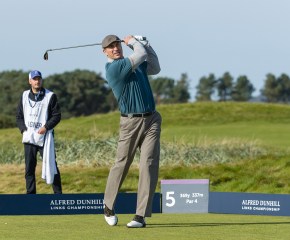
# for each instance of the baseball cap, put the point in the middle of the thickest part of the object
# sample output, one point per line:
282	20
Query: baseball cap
110	39
34	73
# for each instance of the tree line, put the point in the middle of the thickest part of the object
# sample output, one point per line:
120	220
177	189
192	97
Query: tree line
84	92
226	88
79	92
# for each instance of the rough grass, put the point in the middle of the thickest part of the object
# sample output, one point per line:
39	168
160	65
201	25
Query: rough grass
265	175
238	146
101	152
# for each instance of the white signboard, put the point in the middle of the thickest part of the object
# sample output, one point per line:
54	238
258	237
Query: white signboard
185	196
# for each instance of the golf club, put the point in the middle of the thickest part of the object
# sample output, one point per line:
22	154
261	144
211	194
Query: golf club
45	56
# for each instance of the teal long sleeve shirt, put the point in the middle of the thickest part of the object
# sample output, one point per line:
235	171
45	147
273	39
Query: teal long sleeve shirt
131	88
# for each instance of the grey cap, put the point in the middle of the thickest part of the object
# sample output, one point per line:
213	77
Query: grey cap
110	39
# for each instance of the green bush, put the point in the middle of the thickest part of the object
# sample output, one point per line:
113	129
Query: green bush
7	121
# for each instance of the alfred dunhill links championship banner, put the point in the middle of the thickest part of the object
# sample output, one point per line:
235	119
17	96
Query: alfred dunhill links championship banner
250	203
177	196
59	204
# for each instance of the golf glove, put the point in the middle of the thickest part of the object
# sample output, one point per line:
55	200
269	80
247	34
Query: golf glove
142	40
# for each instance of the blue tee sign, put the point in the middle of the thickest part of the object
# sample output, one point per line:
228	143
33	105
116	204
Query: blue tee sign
250	203
58	204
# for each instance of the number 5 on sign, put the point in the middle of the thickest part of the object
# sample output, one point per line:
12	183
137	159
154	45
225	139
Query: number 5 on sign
170	198
185	195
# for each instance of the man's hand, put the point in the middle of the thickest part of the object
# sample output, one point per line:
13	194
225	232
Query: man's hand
42	130
127	39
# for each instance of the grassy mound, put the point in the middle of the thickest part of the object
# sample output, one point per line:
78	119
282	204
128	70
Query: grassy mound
238	146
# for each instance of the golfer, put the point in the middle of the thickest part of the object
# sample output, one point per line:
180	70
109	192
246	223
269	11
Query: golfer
37	114
140	123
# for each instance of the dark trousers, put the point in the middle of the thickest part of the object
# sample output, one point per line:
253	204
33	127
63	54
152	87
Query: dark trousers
30	152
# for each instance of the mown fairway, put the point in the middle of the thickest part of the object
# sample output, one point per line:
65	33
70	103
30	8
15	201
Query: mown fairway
267	123
160	226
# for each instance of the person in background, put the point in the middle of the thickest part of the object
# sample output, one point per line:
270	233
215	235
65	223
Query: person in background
140	123
38	112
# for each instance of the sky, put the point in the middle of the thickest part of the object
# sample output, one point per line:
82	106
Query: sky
196	37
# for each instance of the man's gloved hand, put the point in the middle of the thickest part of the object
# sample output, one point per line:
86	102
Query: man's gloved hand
142	40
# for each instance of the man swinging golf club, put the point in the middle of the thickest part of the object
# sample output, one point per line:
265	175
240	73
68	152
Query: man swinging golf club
140	123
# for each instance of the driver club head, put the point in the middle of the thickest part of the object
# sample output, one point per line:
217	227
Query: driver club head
45	56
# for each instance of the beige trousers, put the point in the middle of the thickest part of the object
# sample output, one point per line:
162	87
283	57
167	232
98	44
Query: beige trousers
142	133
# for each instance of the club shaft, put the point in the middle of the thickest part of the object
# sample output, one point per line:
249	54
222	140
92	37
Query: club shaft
87	45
